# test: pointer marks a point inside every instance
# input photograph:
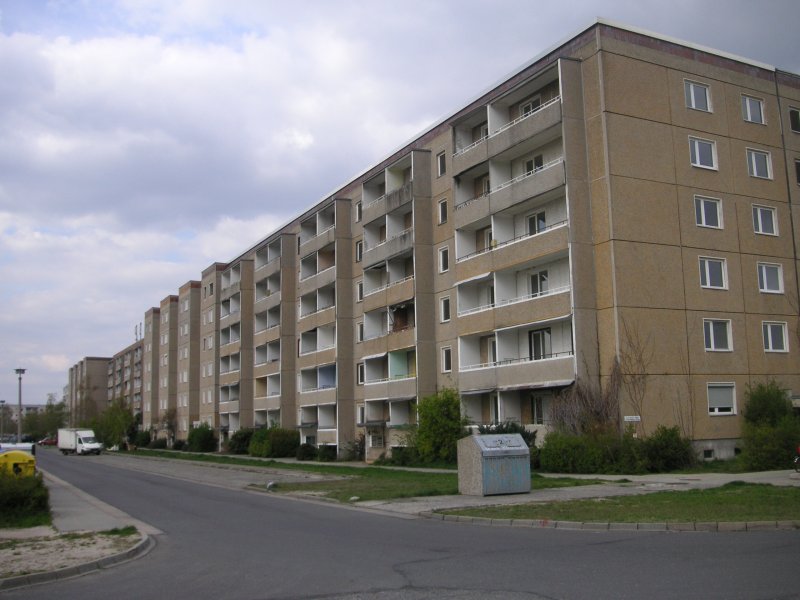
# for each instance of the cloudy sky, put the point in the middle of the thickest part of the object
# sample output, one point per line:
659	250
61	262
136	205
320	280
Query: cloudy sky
142	140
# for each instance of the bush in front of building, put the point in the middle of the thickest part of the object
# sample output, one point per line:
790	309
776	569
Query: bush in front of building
142	439
667	450
202	439
24	501
327	453
239	442
158	444
771	431
440	427
306	452
179	445
274	442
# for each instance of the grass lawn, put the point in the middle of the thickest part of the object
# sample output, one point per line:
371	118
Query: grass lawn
736	501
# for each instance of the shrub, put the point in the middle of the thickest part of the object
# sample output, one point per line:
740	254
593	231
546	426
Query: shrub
766	447
158	444
604	452
440	427
306	452
355	450
179	445
23	499
766	404
239	442
666	450
327	453
274	442
201	439
142	439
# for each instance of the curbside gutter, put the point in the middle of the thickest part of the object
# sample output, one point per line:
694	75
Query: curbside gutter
721	526
145	545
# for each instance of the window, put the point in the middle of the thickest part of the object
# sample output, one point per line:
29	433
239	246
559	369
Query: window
534	165
717	335
713	273
359	250
359	211
764	221
537	409
703	153
360	376
447	360
770	278
361	413
753	110
774	336
708	212
537	223
442	211
529	106
697	96
721	398
441	164
759	164
360	332
797	171
539	284
444	305
359	291
794	119
444	260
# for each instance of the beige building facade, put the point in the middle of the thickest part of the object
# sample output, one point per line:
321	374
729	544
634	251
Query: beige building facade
624	201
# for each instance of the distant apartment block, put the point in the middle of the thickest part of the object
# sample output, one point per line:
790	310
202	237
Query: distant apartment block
622	200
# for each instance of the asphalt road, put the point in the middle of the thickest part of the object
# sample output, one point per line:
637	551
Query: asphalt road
227	543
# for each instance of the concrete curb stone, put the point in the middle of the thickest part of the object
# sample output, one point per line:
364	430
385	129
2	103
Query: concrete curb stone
144	546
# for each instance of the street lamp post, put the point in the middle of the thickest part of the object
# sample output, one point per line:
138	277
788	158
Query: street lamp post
2	418
20	373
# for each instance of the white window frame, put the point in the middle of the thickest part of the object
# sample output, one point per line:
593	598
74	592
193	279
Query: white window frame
360	374
747	109
691	98
360	331
444	259
709	340
694	154
359	291
794	119
442	303
758	225
700	202
447	351
358	211
752	164
441	164
761	274
442	214
721	411
705	272
767	329
359	250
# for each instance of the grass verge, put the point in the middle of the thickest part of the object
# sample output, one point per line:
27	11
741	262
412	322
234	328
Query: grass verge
736	501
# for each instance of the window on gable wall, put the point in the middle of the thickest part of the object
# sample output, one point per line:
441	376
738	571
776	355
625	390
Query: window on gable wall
753	110
698	96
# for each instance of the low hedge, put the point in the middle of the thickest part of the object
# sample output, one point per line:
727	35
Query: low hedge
274	442
23	499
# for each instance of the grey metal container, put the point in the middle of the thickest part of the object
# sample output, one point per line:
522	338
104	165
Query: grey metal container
493	464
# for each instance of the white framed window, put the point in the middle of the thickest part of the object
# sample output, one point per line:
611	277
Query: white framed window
359	211
708	212
444	259
444	312
360	373
721	398
797	171
442	211
537	222
775	339
447	359
713	273
360	414
759	164
794	119
698	95
703	153
717	334
764	220
359	250
539	283
360	331
530	105
359	291
441	164
770	278
753	109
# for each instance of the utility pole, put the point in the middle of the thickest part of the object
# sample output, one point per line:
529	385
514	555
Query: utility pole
20	373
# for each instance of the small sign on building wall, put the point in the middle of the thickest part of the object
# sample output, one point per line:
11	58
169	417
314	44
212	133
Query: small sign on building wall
632	418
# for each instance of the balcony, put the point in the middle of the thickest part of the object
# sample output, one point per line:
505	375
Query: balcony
269	256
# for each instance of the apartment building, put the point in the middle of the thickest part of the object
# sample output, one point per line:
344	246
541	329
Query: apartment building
150	345
622	202
87	392
125	376
188	362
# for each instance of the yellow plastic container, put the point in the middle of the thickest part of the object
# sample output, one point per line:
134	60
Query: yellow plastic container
17	462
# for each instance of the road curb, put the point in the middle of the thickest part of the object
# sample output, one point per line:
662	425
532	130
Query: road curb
717	527
144	546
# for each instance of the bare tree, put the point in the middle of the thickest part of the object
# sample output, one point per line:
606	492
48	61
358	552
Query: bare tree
635	357
583	408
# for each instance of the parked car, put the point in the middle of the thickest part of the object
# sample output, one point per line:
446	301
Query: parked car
48	441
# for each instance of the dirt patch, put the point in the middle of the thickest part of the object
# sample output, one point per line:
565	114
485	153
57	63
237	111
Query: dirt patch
23	556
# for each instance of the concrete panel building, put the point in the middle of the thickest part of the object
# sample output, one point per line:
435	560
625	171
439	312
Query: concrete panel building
623	206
